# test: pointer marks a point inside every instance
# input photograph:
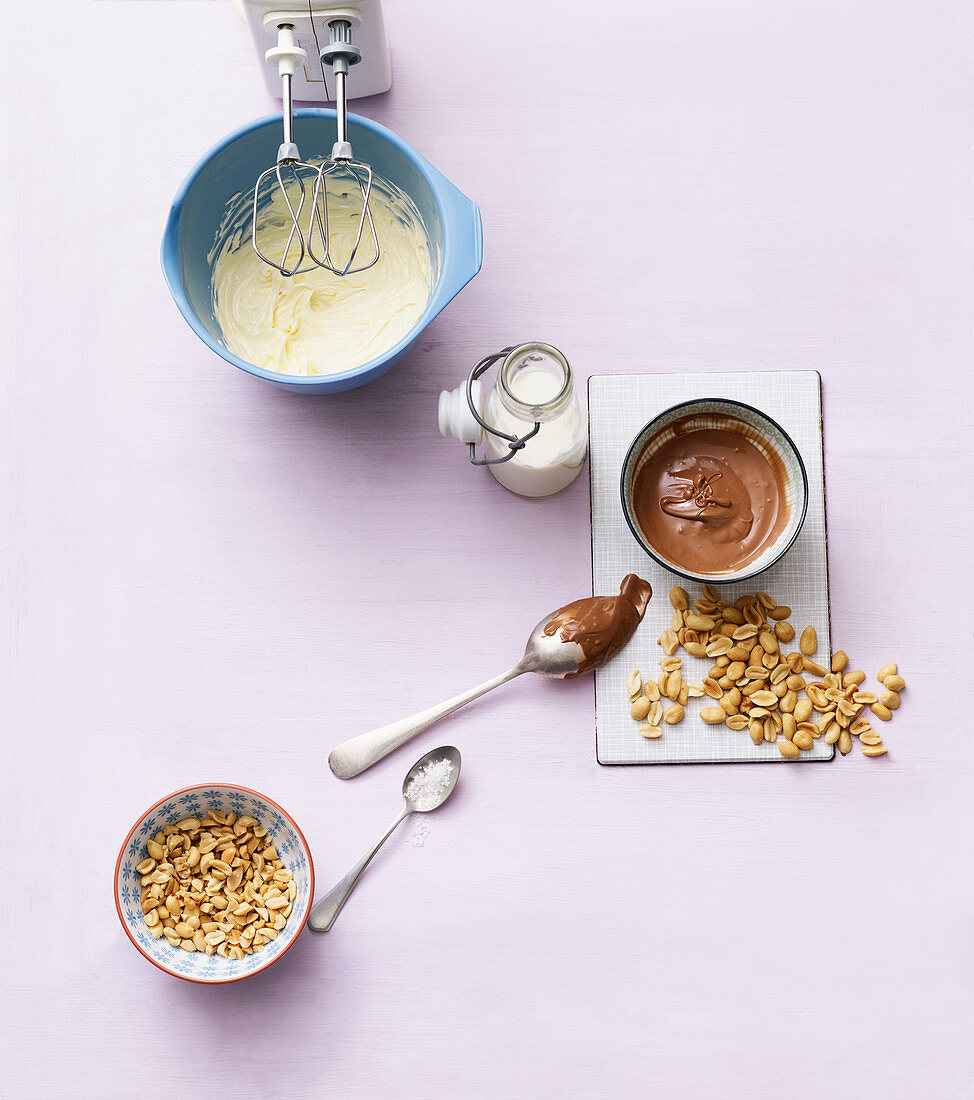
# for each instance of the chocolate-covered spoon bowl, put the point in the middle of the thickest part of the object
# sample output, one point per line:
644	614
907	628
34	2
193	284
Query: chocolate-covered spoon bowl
573	640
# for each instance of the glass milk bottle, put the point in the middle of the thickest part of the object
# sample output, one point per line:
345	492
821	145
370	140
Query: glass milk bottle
535	385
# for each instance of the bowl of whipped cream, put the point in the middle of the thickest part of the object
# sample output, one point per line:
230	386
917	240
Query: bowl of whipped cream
316	332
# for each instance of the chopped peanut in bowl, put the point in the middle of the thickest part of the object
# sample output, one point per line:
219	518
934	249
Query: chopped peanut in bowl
215	884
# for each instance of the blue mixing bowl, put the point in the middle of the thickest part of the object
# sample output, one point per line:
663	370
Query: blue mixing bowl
452	224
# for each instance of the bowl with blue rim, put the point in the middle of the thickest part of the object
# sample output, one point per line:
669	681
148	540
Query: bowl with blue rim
133	875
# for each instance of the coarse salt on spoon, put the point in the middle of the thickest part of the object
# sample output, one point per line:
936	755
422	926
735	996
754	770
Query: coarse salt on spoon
428	784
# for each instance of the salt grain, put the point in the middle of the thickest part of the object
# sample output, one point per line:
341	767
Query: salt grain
428	785
420	833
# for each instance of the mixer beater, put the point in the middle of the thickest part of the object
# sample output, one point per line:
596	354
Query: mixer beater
309	241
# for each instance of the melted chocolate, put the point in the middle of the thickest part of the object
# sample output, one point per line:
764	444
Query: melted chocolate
602	625
709	500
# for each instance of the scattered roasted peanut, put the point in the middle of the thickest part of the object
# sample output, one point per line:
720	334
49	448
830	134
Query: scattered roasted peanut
674	681
765	698
650	732
803	710
699	622
893	682
754	615
639	708
886	670
669	641
712	688
890	699
634	684
882	712
679	598
788	749
757	686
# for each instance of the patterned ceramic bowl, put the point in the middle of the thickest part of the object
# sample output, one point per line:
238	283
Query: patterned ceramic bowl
759	430
291	847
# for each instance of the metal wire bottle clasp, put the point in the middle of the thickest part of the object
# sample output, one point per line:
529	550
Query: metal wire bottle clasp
515	443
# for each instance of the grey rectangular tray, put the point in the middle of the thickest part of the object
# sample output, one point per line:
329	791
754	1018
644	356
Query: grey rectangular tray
619	406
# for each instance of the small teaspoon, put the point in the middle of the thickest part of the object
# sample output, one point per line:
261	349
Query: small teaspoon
325	912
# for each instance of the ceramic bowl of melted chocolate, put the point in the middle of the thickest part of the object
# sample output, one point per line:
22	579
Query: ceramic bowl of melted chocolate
714	490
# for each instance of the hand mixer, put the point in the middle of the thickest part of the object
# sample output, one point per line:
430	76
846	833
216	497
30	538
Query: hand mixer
309	242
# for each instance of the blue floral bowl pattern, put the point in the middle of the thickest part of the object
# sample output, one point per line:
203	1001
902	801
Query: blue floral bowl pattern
193	801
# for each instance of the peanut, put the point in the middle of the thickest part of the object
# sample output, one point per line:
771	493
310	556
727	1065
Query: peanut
890	699
679	598
639	708
634	684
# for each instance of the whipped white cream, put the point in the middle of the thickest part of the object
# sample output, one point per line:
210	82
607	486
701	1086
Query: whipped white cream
316	322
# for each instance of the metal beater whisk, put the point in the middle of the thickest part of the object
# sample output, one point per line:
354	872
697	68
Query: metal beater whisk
340	54
290	173
309	245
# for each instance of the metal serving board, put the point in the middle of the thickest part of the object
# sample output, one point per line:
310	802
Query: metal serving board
619	406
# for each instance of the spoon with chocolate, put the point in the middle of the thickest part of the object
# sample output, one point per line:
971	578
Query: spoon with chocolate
575	639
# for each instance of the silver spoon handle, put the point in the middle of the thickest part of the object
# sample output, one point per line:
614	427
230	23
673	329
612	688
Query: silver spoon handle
325	912
355	755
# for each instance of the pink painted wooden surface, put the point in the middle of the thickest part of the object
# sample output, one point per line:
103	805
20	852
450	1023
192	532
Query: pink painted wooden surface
203	578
